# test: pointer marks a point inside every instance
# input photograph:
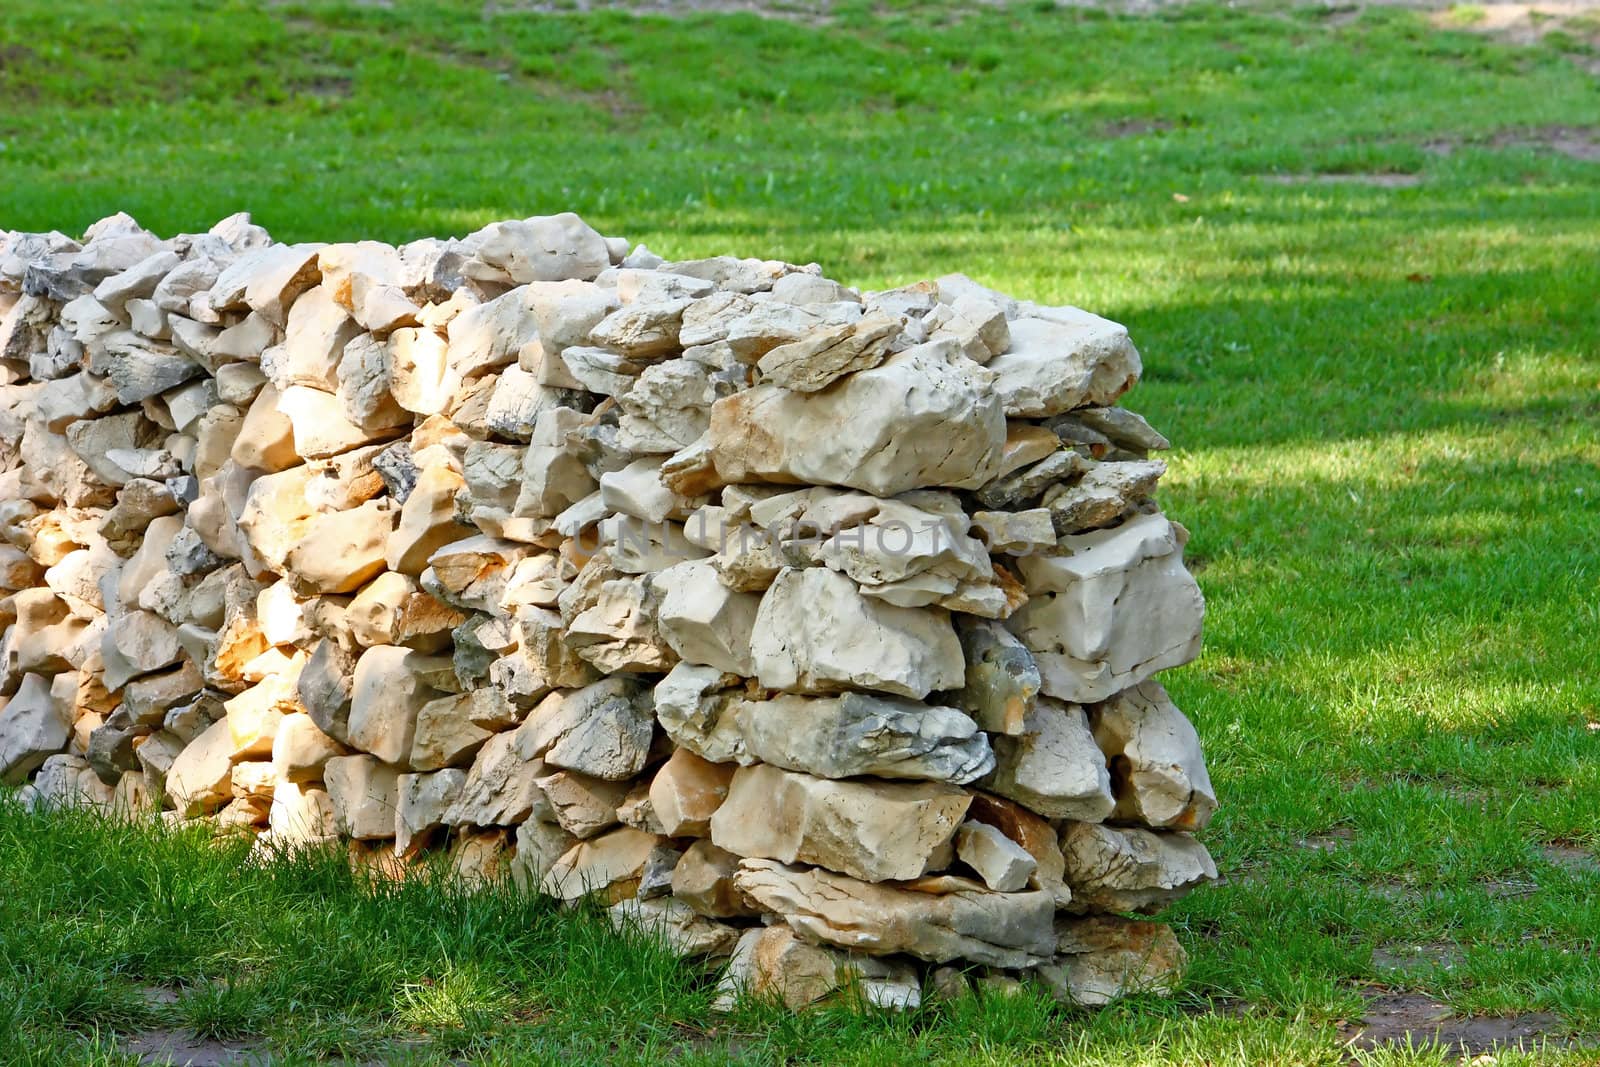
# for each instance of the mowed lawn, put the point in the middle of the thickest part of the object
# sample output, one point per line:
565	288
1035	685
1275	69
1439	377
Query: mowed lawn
1362	262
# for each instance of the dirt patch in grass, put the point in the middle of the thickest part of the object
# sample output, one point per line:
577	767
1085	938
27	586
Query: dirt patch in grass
1380	181
1571	858
1574	142
1413	959
1120	128
1412	1018
1328	840
182	1049
1516	23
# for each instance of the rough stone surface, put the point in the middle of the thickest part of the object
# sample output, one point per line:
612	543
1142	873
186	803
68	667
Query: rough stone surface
938	922
856	734
876	831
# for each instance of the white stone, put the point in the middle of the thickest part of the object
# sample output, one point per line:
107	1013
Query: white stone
815	632
1114	608
925	417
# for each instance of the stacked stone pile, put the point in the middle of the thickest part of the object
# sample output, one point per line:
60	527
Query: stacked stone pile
810	628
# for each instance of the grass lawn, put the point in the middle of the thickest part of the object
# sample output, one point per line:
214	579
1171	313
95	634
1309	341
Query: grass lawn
1369	306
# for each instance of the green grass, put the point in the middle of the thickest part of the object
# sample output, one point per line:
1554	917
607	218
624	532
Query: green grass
1385	401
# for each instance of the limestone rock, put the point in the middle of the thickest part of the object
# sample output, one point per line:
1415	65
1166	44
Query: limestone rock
582	805
945	920
253	717
873	830
451	729
502	786
1104	957
300	750
610	865
1158	771
1004	865
544	248
386	696
924	417
1104	495
1001	680
1064	359
200	779
1127	869
341	552
824	357
1113	609
1034	833
696	706
67	781
703	620
325	688
772	962
815	632
301	814
365	793
703	879
1053	767
34	725
676	926
422	800
857	734
687	791
600	730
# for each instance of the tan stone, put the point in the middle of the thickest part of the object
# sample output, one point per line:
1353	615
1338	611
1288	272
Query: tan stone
772	962
687	791
200	779
451	729
815	632
540	845
1053	767
1063	359
876	831
610	865
946	920
1004	865
392	609
421	804
253	717
600	730
703	879
703	620
341	552
427	520
386	697
1113	610
673	924
265	440
924	417
300	749
482	859
501	788
857	734
583	806
365	793
34	725
301	814
1034	833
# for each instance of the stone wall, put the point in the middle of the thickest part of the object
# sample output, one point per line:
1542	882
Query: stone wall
812	628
